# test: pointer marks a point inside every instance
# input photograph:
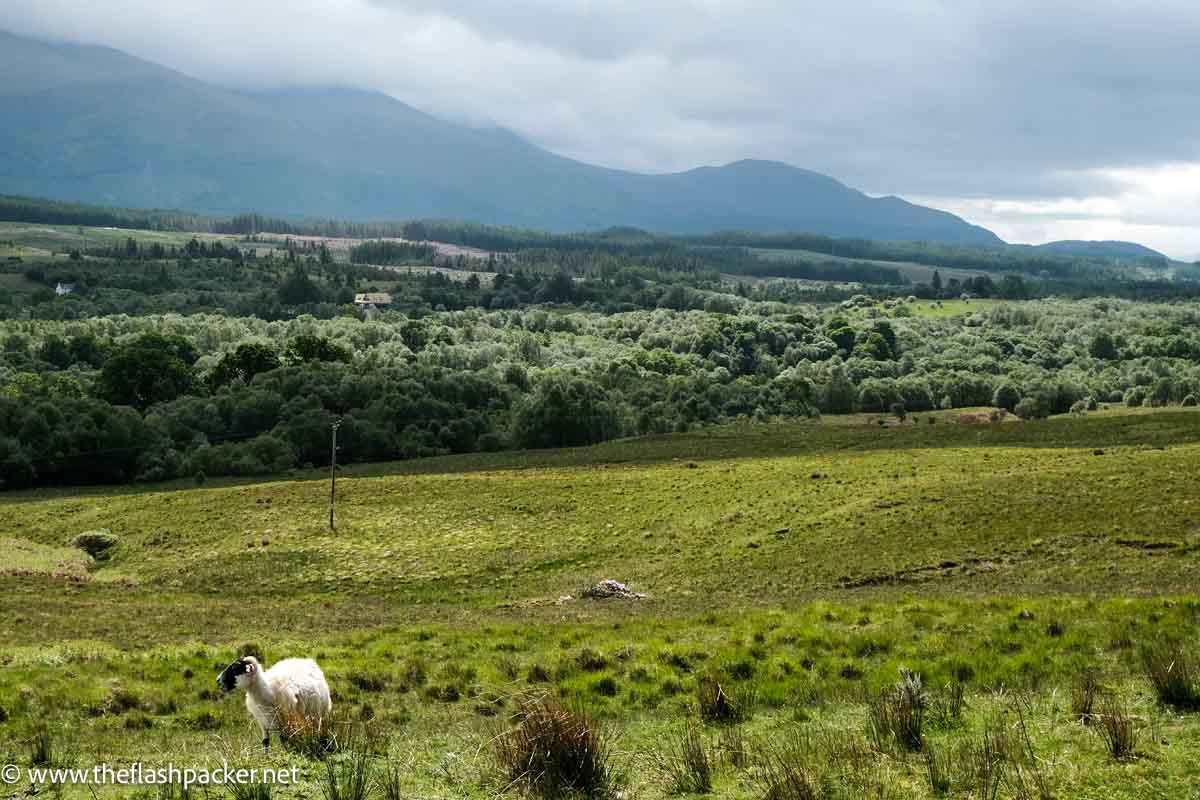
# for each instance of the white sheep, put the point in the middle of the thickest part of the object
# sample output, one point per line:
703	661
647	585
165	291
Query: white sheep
291	697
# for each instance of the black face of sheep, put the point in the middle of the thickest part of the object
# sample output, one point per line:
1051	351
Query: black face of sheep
231	677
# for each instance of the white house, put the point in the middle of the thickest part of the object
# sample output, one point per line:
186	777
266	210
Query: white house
368	300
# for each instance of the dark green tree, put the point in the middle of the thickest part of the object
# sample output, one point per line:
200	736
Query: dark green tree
565	411
150	369
299	289
1006	397
1103	347
306	348
244	363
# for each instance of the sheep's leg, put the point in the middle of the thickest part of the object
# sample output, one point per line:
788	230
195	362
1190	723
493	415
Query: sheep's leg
266	738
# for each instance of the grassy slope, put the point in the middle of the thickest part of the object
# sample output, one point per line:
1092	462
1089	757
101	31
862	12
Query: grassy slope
801	549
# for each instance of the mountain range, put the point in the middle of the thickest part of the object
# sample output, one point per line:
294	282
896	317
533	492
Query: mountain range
97	125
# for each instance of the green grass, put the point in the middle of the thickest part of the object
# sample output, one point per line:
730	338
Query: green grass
808	560
942	309
60	238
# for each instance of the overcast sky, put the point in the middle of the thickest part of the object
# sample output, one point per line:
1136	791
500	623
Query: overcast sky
1040	120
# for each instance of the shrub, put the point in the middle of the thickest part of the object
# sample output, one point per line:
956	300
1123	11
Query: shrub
981	761
721	704
946	706
1084	692
415	673
937	770
1006	397
391	780
41	747
740	670
255	790
348	778
1117	729
96	543
685	767
734	747
252	649
553	750
786	773
898	714
1030	408
367	681
606	686
590	661
1171	673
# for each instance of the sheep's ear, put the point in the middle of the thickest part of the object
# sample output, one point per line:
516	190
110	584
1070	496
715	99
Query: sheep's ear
251	667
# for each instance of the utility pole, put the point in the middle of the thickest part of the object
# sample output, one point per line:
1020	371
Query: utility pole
333	429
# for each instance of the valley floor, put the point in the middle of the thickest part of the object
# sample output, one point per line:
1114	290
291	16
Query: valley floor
800	565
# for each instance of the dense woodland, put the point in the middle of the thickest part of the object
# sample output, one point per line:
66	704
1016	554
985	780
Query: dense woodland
204	356
118	398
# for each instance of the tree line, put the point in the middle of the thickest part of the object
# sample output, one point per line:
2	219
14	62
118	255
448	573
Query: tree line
124	398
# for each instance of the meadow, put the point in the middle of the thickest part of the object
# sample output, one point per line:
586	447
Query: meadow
1033	573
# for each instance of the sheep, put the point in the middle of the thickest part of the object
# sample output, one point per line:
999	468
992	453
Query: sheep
291	697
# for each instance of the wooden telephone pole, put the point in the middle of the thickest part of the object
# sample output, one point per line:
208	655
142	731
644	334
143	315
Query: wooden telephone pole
333	429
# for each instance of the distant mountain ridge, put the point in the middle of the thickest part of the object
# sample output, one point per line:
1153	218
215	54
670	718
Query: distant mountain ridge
1101	249
95	125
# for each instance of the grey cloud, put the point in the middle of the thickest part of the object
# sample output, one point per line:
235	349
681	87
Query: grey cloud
927	97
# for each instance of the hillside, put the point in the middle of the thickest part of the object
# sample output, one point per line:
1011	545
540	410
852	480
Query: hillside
1105	249
95	125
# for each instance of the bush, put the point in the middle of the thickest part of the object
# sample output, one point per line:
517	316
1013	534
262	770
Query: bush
685	767
1030	408
42	747
1118	731
722	705
1006	397
553	750
1135	396
898	714
938	765
349	778
787	773
253	790
1084	693
96	543
1172	674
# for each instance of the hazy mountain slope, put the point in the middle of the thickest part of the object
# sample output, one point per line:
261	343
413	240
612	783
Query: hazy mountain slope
1101	249
95	125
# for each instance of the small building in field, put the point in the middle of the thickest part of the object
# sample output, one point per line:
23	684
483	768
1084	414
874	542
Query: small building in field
64	288
372	300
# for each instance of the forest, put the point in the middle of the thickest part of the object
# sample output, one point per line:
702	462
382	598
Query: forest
200	354
176	384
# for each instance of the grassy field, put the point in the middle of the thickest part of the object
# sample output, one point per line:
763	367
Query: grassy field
38	239
799	566
941	309
917	273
